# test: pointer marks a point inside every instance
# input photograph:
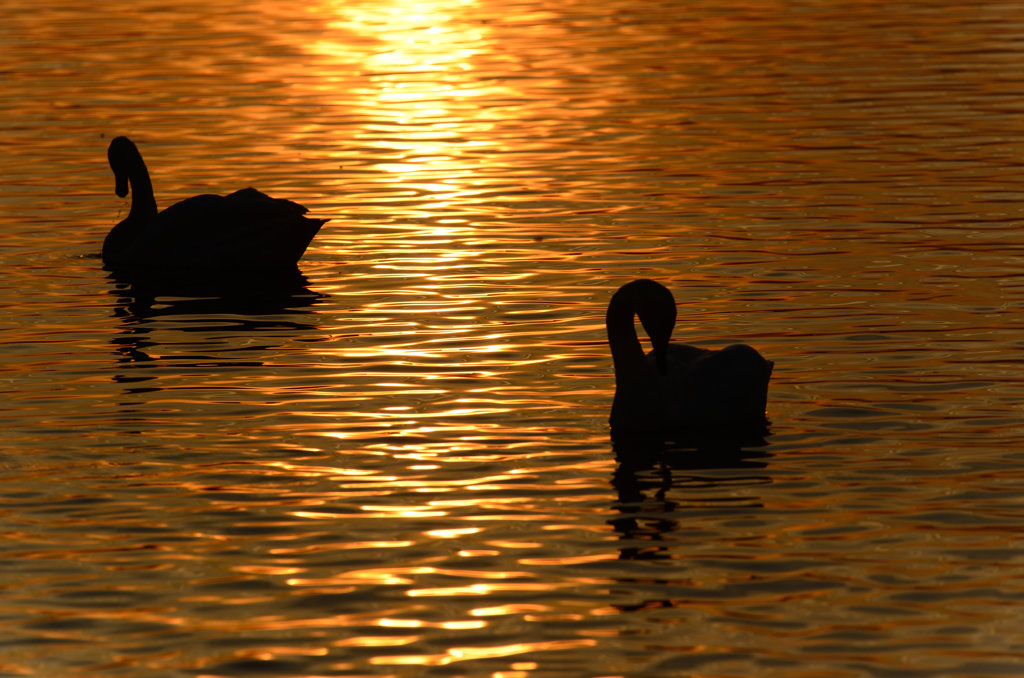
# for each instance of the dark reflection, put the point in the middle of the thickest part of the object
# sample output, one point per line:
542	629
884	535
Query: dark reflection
693	450
653	471
259	306
255	293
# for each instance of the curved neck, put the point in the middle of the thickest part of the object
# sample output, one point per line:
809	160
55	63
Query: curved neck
129	170
656	307
143	201
625	345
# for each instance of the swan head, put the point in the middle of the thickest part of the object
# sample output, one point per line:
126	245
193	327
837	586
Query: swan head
124	159
657	312
654	304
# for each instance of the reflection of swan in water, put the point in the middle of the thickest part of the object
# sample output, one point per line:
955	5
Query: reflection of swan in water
211	327
678	387
658	481
247	294
246	230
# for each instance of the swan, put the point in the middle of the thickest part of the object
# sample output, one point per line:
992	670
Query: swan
246	230
677	387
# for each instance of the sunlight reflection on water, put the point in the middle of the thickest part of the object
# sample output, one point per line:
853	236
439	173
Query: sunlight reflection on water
401	462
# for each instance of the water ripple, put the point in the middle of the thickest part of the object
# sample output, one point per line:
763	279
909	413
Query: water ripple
399	464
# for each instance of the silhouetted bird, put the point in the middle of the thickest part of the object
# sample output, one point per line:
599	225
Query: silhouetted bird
677	387
245	231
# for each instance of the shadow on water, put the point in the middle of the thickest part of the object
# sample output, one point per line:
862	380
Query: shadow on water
256	293
259	307
658	485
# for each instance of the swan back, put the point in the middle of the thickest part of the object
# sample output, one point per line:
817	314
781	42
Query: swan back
247	229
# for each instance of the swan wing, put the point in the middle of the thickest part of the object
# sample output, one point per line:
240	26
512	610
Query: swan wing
718	387
246	229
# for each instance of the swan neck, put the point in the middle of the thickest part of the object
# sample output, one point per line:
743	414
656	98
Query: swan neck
622	339
143	201
130	175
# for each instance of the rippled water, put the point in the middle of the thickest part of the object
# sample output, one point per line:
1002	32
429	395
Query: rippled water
402	467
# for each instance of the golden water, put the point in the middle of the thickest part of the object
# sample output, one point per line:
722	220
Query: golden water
404	469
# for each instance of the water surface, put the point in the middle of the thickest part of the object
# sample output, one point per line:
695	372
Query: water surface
401	466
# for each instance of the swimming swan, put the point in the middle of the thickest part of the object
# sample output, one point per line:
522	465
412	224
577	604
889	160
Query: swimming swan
246	230
677	387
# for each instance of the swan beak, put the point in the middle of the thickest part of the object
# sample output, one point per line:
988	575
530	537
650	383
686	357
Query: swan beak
120	185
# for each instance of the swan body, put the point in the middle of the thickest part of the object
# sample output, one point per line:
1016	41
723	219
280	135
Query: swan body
246	230
677	387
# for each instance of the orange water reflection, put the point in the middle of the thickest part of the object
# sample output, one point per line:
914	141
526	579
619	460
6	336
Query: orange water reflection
418	461
459	654
414	91
407	74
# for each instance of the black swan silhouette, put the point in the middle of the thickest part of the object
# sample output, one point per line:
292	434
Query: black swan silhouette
245	231
677	387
